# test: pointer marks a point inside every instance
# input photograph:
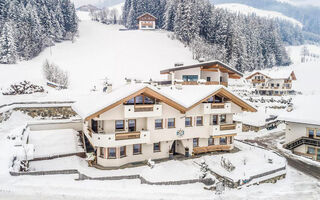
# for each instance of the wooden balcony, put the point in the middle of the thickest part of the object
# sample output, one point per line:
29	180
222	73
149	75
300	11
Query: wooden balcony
127	136
226	127
224	83
213	148
218	106
143	108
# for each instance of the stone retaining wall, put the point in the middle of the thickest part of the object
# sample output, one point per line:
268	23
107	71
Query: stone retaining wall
48	112
42	173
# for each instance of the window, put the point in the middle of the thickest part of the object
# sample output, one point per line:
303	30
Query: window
278	85
223	141
272	85
158	124
214	119
230	140
130	102
311	133
123	151
311	150
218	99
137	149
188	78
119	125
188	121
139	99
148	100
102	152
210	141
171	123
112	153
132	125
156	147
318	133
195	142
223	119
199	121
210	100
208	79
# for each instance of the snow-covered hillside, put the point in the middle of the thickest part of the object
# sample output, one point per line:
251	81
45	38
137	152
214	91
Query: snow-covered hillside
103	51
296	53
244	9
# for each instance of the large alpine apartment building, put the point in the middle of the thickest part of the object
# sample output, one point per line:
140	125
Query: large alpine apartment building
138	122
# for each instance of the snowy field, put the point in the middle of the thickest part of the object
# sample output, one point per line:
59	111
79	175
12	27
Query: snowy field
103	51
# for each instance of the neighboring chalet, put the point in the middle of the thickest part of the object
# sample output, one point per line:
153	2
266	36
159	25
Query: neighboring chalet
274	82
303	127
147	22
206	73
137	122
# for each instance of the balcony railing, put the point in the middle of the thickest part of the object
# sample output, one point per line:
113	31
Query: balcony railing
226	127
143	108
199	150
218	106
127	136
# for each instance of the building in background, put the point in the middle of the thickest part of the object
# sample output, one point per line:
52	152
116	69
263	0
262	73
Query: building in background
205	73
273	82
147	22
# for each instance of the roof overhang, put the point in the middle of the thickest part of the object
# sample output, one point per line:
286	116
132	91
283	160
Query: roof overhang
146	14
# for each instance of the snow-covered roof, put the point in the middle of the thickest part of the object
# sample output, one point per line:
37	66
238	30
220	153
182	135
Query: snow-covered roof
184	97
146	14
275	72
89	105
203	64
306	110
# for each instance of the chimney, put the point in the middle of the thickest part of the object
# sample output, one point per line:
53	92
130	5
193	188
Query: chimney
128	81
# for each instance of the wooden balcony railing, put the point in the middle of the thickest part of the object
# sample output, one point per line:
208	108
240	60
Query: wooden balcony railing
226	127
224	83
143	108
199	150
217	106
127	136
212	83
190	83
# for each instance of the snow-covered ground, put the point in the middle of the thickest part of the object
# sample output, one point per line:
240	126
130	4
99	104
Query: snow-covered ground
248	10
295	53
103	51
54	142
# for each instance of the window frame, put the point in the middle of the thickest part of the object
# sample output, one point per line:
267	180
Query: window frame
197	142
212	139
154	150
226	141
115	153
217	120
174	123
140	152
197	120
125	151
102	152
185	121
225	119
314	150
115	125
155	122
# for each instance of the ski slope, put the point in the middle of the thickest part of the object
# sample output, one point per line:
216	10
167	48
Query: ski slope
103	51
248	10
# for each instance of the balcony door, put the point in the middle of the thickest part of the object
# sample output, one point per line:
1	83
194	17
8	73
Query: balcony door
94	126
132	125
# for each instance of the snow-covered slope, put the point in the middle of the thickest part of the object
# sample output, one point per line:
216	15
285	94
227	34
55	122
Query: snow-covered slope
103	51
244	9
296	55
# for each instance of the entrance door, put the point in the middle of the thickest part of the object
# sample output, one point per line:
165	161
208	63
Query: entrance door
131	125
173	148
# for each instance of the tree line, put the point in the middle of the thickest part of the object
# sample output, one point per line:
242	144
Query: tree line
246	42
29	26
